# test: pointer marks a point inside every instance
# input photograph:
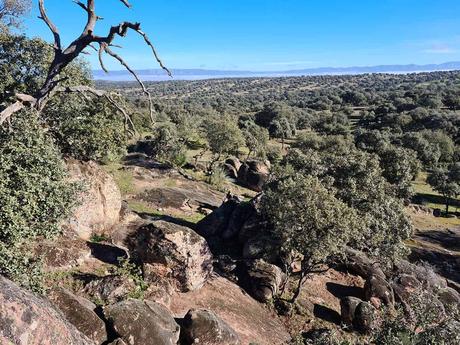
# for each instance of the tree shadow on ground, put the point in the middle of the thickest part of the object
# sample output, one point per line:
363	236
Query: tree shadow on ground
326	314
169	219
447	239
341	291
421	198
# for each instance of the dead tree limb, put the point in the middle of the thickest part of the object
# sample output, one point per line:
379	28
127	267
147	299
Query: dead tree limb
63	57
84	90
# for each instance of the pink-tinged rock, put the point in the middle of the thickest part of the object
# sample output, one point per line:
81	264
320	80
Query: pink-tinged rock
26	319
100	202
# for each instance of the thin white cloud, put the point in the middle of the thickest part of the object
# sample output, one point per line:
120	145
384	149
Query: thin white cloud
288	63
440	49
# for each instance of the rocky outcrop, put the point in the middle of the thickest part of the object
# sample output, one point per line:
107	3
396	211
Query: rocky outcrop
404	285
239	223
109	289
141	323
253	174
423	274
348	307
29	320
264	280
170	251
231	166
217	222
359	263
183	198
80	312
377	290
247	317
100	206
365	317
206	328
358	314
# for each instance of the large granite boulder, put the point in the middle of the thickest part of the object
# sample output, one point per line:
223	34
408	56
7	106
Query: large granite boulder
26	319
359	263
217	222
358	314
143	323
365	317
171	251
81	313
377	290
100	206
206	328
231	166
250	319
254	174
348	307
264	280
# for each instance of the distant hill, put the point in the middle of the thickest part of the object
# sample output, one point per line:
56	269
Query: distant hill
198	74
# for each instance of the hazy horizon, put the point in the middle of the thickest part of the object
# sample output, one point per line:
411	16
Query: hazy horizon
271	35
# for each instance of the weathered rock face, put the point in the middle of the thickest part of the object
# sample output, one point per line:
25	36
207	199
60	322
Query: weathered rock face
206	328
109	289
423	274
247	317
357	262
264	279
365	317
62	252
253	174
348	307
190	196
143	323
169	250
357	313
80	312
377	290
404	285
100	203
29	320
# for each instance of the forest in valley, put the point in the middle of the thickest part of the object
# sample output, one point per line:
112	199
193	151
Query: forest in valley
290	210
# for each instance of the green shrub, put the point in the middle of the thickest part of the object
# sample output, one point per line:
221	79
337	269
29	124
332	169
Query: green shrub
21	268
34	192
86	130
35	195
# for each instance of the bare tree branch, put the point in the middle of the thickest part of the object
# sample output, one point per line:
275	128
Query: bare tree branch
134	74
83	90
126	3
101	60
10	110
50	24
62	58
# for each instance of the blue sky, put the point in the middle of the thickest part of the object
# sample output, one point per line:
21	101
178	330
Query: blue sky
273	35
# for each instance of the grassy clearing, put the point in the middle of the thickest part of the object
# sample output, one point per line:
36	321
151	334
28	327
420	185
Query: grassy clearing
143	207
123	178
430	197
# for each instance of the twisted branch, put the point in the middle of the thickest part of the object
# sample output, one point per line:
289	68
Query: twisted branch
62	58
